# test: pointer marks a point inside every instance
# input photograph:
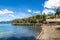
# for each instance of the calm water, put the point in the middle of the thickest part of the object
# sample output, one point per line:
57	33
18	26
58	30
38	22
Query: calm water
8	30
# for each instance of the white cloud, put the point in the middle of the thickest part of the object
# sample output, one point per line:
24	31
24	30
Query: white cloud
11	15
36	12
52	4
22	15
6	11
48	11
49	5
4	19
29	10
33	11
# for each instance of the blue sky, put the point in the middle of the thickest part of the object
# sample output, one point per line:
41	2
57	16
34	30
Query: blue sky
12	9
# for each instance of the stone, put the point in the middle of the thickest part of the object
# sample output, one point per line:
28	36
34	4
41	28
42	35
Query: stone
49	32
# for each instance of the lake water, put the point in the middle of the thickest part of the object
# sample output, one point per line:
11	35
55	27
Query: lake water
11	31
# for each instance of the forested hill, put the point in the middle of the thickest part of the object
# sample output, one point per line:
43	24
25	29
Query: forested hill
34	19
39	18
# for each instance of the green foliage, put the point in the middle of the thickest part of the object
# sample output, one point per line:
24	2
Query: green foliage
34	19
39	18
58	12
52	16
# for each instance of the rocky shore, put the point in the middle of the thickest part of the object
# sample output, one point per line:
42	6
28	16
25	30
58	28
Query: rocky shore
49	32
27	24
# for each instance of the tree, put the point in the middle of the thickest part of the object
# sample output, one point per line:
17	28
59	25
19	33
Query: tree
52	16
34	19
58	12
44	18
38	16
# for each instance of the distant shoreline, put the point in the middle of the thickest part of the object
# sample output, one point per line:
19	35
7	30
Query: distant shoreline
27	24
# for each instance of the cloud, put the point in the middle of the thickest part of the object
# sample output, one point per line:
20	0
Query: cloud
33	11
49	5
6	19
22	15
36	12
6	11
11	15
29	10
48	11
52	4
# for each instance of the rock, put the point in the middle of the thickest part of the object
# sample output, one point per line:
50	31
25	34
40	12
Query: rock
49	32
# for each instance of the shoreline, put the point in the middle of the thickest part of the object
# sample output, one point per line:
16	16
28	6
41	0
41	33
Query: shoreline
27	24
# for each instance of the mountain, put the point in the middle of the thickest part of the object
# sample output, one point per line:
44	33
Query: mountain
5	22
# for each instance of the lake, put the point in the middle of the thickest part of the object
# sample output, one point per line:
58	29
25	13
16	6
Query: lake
11	32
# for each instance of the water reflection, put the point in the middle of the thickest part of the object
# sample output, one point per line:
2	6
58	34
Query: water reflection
8	31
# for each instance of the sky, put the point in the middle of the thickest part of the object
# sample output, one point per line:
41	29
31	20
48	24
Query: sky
12	9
